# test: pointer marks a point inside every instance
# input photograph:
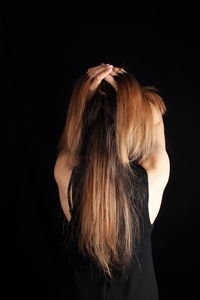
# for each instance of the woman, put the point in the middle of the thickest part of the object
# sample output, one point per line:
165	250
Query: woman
111	171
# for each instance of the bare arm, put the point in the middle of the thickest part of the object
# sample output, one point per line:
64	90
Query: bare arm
158	161
62	173
157	166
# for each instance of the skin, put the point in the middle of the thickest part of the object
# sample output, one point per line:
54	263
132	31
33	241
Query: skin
157	165
98	73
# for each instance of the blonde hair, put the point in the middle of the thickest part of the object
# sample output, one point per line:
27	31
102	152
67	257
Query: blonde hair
105	134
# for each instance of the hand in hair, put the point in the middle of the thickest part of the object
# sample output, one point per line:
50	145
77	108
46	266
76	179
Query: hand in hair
103	71
110	79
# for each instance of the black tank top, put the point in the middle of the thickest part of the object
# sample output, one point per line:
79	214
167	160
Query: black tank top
84	281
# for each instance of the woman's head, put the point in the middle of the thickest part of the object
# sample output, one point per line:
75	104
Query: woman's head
106	94
108	126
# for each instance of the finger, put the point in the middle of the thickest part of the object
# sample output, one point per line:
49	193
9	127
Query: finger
119	70
93	69
96	68
97	80
113	73
97	71
111	80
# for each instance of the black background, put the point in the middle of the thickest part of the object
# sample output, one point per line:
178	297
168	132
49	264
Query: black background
46	46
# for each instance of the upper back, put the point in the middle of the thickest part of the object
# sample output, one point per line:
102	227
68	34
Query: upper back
157	177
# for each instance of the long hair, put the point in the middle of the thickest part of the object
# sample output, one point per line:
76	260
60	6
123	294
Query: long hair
104	135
